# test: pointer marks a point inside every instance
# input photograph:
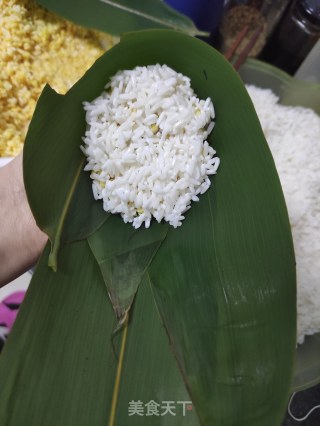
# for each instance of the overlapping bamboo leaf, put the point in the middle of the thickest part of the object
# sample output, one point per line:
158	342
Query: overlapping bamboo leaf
124	254
59	194
59	366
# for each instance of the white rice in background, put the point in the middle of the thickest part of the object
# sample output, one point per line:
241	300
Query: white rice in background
293	134
146	145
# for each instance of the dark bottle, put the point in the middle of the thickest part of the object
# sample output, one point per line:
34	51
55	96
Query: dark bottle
294	37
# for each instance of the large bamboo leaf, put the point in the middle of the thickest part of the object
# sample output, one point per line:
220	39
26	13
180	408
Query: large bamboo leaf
119	16
237	298
224	282
58	366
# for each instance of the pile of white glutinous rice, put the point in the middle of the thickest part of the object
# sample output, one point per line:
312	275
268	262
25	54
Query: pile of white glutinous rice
146	145
293	134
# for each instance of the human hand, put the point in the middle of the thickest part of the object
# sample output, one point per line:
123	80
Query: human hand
21	241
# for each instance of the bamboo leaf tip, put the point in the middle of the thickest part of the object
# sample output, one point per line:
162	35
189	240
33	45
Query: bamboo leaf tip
52	262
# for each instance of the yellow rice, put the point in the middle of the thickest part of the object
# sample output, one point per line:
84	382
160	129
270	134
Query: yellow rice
37	47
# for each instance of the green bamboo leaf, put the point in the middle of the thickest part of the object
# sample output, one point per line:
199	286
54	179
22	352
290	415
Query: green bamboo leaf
162	380
123	254
58	366
53	145
119	16
224	282
236	300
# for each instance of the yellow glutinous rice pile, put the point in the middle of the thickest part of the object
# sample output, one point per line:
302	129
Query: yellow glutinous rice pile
37	47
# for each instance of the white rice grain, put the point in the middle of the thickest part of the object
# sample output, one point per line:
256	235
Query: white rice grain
293	135
145	145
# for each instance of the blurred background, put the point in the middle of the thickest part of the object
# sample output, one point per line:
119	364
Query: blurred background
289	38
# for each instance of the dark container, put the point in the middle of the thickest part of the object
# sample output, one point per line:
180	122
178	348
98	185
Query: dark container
294	37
